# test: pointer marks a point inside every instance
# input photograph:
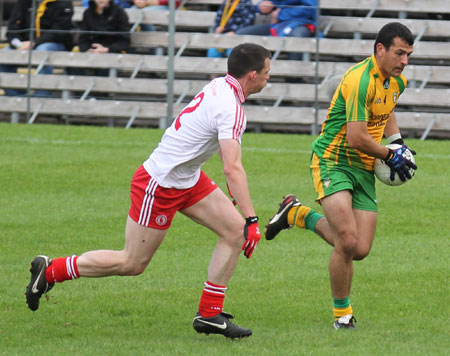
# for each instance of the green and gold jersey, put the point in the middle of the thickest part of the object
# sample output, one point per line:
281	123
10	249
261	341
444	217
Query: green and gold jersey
362	95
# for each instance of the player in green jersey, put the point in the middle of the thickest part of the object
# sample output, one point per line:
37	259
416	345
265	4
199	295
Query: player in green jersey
360	113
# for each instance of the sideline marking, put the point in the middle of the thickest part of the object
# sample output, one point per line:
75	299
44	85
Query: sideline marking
145	144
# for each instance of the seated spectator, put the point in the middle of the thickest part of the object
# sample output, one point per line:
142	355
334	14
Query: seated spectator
290	18
103	29
54	16
110	22
141	4
125	4
231	16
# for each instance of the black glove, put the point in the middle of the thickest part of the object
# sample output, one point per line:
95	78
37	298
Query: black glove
399	164
400	141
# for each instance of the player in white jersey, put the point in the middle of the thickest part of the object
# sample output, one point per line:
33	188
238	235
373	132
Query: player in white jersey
171	180
214	114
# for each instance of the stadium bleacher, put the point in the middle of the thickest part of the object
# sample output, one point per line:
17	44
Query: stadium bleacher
136	92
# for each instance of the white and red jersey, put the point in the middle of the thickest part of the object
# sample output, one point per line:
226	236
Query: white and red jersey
214	114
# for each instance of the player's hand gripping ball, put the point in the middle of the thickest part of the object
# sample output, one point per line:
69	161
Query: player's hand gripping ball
396	166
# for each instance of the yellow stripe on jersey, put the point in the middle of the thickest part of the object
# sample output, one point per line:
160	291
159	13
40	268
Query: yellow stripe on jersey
362	95
336	143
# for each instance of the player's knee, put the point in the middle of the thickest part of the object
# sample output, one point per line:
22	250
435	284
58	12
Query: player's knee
134	267
361	253
136	270
235	239
348	244
235	235
349	248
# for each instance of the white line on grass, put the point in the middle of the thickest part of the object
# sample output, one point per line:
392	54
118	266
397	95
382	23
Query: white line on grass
146	144
40	141
283	150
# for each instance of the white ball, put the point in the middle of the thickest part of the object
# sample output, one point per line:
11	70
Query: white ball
383	171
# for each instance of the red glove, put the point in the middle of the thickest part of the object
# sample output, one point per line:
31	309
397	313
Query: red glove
252	235
231	195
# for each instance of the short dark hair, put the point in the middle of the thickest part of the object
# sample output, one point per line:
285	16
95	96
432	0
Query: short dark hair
245	58
390	31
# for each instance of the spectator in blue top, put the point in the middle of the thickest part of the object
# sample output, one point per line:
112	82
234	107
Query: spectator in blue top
290	18
122	3
231	17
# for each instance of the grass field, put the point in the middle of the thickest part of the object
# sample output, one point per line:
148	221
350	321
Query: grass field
65	190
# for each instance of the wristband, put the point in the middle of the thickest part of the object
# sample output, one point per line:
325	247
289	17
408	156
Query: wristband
396	138
251	220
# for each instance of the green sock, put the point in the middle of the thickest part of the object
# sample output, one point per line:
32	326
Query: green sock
311	220
341	307
341	303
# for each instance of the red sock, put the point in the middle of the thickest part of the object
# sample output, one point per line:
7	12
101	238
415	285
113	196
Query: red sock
62	269
211	301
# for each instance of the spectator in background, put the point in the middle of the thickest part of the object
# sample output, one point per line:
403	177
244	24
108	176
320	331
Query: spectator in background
104	29
231	16
125	4
290	18
152	5
144	5
111	21
50	15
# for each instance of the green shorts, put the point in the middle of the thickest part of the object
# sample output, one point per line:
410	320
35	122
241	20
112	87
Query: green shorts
330	178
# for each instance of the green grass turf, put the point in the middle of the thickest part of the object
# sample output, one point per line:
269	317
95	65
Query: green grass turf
65	190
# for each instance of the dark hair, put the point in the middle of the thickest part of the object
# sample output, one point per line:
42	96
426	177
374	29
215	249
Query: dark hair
245	58
390	31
